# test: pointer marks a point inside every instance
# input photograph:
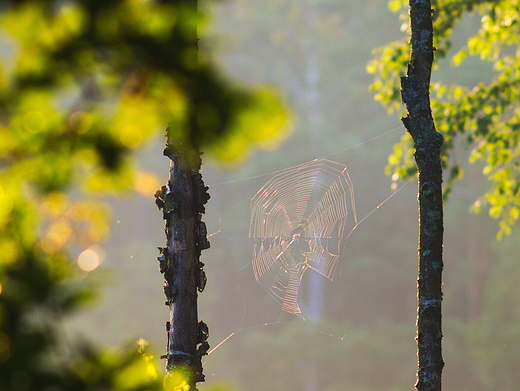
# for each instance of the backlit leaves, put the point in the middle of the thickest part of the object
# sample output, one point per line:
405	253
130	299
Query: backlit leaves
83	84
250	127
484	116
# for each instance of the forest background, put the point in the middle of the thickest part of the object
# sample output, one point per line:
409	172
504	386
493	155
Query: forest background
359	331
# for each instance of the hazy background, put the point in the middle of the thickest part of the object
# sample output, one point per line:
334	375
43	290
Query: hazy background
362	338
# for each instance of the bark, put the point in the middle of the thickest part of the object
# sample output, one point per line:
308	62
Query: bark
182	202
427	141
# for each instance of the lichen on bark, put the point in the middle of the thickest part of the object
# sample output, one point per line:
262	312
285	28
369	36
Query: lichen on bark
427	142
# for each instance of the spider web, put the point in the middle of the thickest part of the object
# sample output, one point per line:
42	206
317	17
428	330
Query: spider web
248	305
298	221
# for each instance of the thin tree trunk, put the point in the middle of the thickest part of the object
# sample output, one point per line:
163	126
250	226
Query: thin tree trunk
427	142
182	202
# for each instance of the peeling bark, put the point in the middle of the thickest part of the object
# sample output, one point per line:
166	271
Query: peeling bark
182	203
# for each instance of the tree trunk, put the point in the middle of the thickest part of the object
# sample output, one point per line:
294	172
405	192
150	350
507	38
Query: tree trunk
182	202
427	142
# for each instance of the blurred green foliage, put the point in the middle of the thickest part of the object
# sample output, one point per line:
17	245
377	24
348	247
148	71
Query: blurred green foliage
484	116
82	85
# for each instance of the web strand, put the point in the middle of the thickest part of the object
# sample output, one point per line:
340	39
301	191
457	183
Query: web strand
297	221
307	230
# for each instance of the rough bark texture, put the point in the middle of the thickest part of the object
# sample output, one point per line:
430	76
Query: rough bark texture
182	202
427	142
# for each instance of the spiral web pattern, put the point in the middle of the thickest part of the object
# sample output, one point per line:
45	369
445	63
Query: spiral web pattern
298	220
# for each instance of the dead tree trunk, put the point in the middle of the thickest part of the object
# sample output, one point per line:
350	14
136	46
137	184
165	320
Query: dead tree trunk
182	202
427	141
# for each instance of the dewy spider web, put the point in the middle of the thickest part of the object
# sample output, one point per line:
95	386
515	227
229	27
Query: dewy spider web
298	221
